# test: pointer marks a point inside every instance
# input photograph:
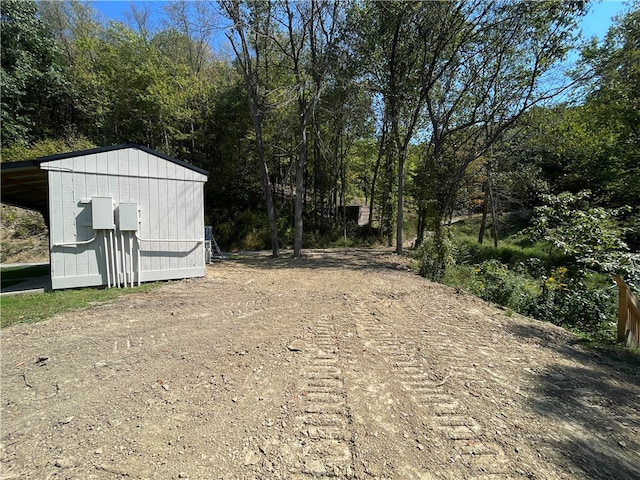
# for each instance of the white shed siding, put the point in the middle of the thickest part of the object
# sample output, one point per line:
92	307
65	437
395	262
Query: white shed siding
171	204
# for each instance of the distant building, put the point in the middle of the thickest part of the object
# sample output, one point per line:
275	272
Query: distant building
358	214
117	215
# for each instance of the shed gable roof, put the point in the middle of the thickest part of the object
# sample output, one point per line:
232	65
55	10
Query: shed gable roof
24	183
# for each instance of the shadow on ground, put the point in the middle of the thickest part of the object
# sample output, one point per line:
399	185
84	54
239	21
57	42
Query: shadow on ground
352	258
596	400
25	278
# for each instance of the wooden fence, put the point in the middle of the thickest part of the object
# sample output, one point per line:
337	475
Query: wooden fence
628	315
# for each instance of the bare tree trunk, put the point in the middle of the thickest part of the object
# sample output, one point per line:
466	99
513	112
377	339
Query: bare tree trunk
253	99
400	223
485	209
381	147
299	197
494	216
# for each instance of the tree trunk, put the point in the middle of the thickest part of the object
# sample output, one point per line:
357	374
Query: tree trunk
381	148
422	225
299	198
494	217
485	209
400	223
253	100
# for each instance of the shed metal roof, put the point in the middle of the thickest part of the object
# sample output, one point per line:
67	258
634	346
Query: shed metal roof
24	184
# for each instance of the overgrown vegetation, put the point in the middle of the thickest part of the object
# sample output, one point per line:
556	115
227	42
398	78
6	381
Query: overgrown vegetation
558	269
23	237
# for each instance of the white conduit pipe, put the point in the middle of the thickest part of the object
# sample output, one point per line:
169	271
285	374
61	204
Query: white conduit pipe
113	260
116	253
73	244
106	257
170	240
161	240
131	259
135	235
124	261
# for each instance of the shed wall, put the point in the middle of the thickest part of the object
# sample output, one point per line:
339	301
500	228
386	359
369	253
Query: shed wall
171	204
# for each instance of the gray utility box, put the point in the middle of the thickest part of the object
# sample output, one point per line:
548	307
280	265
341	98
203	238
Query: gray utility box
102	213
128	216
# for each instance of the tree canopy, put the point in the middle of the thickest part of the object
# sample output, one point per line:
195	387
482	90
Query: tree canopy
307	107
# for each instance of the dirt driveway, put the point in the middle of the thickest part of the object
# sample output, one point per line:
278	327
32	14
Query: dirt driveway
343	364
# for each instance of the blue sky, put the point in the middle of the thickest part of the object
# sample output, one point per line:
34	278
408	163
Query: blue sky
599	19
595	23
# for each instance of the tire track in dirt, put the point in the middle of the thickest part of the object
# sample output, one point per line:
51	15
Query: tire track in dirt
450	418
324	424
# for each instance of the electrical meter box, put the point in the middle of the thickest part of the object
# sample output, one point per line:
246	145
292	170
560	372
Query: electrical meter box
102	213
128	216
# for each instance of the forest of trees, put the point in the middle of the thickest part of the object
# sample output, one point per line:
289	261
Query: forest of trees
422	110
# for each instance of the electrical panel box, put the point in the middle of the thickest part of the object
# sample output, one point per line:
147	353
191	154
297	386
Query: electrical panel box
102	213
128	216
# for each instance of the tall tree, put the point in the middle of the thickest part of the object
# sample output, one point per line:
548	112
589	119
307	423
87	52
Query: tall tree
310	26
499	65
35	89
613	101
255	19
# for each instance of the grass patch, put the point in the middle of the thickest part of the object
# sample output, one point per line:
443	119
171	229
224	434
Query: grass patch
33	307
12	275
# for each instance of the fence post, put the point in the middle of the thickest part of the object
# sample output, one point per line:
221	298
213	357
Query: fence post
623	308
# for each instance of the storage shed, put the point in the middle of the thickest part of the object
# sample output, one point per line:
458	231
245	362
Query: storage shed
117	215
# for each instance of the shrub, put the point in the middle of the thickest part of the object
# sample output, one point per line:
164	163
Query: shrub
495	282
576	306
557	299
245	231
435	255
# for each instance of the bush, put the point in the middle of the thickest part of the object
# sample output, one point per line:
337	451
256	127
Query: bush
24	223
245	231
495	282
557	299
575	306
507	253
435	255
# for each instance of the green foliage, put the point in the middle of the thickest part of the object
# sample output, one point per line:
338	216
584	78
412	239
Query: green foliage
574	305
590	236
509	253
23	223
42	148
495	282
35	91
558	299
435	255
563	278
245	231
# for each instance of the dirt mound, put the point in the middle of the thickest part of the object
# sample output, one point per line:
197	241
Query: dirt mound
24	238
343	364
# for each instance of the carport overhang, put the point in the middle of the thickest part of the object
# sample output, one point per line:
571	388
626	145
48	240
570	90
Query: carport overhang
25	184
